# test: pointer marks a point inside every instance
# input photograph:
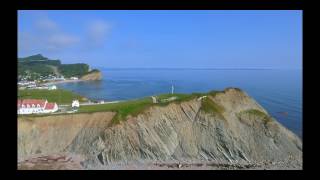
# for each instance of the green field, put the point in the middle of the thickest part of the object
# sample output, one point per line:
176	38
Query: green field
134	107
125	108
59	96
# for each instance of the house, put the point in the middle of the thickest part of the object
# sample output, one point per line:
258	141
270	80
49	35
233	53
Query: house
36	106
154	99
40	87
27	83
31	86
74	78
75	104
53	87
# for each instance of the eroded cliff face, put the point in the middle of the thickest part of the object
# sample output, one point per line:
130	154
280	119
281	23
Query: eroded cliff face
236	131
97	75
53	134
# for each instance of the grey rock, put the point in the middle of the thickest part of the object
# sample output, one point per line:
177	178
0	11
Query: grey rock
176	132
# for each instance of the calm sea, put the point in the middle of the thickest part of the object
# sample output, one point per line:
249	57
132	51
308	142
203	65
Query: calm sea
278	91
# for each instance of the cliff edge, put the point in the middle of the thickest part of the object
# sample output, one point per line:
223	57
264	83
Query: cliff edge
92	76
227	129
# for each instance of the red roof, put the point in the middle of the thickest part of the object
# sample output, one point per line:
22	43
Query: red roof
19	102
30	102
49	105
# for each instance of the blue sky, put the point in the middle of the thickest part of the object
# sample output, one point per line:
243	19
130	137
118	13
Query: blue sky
164	39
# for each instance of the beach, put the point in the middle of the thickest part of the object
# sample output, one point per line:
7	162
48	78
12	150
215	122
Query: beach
64	81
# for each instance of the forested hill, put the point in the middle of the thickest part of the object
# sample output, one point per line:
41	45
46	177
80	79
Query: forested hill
38	65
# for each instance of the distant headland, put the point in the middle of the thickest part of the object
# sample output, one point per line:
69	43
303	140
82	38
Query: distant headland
44	70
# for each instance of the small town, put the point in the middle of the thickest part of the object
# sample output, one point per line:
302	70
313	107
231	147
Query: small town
42	82
43	106
39	78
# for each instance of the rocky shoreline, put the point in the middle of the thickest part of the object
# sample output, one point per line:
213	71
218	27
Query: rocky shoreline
50	162
72	162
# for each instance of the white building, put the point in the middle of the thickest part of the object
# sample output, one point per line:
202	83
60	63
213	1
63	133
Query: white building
26	83
32	86
74	78
40	87
53	87
36	106
75	103
154	99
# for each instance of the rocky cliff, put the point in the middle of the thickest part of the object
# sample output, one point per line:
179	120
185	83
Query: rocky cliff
91	76
225	128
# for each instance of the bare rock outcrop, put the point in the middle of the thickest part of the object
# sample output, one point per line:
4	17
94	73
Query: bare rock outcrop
236	130
92	76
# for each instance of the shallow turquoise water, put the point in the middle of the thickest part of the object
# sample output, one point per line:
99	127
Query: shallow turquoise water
276	90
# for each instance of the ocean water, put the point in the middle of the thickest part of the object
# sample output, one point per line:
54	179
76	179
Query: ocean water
278	91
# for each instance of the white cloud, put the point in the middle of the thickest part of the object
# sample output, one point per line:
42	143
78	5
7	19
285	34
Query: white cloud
99	28
60	40
97	32
46	24
47	35
24	41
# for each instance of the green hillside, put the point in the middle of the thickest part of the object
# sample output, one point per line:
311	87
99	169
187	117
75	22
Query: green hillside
32	67
36	57
69	70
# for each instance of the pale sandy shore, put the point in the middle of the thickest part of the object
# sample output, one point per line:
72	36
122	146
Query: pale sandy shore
61	82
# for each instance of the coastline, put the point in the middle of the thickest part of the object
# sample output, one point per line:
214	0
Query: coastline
61	82
70	161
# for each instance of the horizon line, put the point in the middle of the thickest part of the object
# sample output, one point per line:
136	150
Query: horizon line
253	68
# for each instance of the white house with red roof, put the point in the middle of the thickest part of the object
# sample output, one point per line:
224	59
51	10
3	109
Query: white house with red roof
35	106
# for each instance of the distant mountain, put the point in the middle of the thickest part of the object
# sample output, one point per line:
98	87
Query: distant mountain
37	57
37	65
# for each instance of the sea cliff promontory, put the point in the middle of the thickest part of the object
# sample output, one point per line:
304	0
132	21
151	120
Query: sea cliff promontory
220	130
92	75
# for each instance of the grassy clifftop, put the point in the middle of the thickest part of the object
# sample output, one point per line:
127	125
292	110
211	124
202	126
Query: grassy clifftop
130	107
135	107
